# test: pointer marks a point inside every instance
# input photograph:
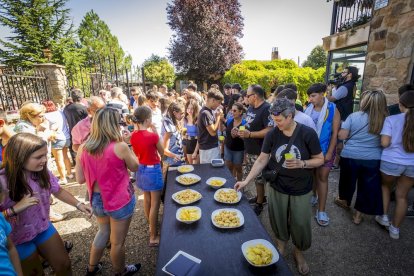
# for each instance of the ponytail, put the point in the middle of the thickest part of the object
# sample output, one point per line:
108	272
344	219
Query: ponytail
408	131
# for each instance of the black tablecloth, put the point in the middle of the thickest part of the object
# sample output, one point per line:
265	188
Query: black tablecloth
219	249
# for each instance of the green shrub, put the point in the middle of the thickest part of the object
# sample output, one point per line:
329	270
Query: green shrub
273	73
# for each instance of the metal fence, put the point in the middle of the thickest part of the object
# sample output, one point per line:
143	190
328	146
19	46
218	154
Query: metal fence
18	86
97	73
348	14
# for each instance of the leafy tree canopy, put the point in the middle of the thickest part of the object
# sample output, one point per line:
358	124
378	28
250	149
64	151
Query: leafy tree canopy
35	25
273	73
205	36
159	71
316	59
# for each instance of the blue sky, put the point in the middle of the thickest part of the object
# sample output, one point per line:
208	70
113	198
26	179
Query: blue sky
294	26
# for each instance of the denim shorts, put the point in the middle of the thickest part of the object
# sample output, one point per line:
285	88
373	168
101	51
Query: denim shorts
60	144
235	157
149	178
25	250
396	169
125	212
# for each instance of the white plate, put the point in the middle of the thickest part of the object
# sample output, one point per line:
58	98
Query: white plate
266	243
177	215
239	196
189	168
239	214
175	257
175	194
216	178
217	162
188	175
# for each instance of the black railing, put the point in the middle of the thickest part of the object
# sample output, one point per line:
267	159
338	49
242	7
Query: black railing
348	14
96	74
18	86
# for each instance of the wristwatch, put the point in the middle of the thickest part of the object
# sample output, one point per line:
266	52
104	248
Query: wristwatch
304	164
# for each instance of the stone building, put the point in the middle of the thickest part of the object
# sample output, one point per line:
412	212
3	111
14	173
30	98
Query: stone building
378	38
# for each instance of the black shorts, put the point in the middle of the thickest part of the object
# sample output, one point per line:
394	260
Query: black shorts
190	145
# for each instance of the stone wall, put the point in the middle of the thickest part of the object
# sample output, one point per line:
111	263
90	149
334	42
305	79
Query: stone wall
56	81
390	56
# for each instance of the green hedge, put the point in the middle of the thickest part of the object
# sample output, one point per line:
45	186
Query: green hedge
273	73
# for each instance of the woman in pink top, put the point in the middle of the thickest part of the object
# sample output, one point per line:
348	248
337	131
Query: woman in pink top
103	163
30	184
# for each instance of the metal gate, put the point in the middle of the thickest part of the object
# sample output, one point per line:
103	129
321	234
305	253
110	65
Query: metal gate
18	86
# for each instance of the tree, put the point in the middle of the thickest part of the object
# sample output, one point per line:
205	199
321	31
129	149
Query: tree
274	73
98	41
159	71
205	36
35	25
316	59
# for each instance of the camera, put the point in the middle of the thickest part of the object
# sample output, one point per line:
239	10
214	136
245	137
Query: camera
337	79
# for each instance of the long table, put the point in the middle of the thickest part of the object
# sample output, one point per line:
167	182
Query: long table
219	249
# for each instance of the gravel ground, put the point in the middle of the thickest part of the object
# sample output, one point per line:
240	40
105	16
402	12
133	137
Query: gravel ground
342	248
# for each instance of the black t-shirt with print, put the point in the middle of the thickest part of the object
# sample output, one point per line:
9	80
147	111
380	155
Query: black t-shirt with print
292	181
256	120
205	140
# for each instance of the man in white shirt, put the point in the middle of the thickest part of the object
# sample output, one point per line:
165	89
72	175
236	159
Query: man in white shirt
300	117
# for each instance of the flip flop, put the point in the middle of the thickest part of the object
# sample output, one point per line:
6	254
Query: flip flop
153	244
322	218
357	221
341	203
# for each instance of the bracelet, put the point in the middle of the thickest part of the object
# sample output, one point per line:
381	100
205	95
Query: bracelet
78	204
250	134
14	212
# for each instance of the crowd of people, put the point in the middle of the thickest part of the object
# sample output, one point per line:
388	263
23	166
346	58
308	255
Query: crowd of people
113	141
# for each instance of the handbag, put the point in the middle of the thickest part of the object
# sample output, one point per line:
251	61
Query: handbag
271	175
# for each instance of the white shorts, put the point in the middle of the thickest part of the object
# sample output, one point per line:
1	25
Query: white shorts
207	155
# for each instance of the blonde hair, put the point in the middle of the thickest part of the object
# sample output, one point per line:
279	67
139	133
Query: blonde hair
374	104
104	130
29	110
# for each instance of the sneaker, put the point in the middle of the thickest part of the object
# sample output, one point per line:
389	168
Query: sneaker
131	269
95	271
314	200
56	217
63	181
383	220
253	200
394	232
410	211
258	208
335	168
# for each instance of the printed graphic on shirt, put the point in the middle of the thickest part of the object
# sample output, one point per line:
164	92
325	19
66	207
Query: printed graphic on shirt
293	150
250	118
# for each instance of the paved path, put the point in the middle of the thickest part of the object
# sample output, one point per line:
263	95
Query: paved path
342	248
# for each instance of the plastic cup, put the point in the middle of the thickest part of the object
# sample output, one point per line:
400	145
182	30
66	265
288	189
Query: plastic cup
221	138
288	156
242	128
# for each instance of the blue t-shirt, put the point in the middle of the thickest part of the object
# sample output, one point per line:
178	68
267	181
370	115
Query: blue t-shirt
6	267
363	145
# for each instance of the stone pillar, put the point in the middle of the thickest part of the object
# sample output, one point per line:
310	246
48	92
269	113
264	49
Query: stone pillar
56	81
390	56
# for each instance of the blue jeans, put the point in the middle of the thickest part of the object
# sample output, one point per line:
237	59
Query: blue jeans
98	209
149	178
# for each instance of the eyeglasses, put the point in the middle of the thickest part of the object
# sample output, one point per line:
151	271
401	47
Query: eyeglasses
248	95
277	113
344	72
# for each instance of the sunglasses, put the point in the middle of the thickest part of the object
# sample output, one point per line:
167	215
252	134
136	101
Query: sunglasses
277	113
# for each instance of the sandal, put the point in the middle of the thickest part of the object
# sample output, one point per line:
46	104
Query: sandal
68	246
357	219
322	218
341	203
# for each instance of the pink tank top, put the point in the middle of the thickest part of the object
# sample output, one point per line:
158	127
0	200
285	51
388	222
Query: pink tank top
111	175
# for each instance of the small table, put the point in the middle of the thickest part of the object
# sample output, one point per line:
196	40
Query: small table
219	249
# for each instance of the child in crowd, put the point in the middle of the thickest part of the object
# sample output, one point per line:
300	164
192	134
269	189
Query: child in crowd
327	121
147	146
233	144
190	131
5	134
103	163
397	162
10	263
172	138
24	173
